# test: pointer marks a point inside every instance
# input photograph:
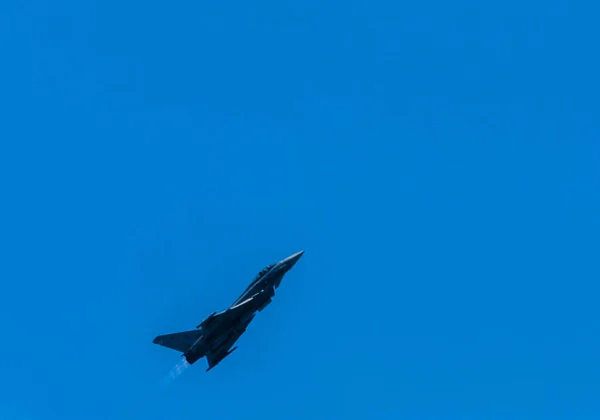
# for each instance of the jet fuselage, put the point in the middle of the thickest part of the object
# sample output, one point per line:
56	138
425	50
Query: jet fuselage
215	336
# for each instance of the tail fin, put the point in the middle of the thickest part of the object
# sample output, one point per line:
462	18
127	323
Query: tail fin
181	341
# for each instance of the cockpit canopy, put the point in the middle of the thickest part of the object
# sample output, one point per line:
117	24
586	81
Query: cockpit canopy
259	276
264	271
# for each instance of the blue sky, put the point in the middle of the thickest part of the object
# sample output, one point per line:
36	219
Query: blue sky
437	161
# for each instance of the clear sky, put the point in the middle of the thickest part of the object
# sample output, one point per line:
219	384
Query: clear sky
438	161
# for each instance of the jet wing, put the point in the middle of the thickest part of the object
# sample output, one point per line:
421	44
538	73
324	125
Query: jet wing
181	341
255	303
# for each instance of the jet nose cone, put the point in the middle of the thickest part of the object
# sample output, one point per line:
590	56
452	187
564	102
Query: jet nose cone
293	259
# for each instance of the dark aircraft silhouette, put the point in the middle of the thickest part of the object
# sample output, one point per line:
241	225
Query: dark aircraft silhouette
214	336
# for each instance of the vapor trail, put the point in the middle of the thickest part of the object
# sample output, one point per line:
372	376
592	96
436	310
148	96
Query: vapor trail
176	371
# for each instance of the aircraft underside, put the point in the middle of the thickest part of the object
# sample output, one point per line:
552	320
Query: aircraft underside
215	336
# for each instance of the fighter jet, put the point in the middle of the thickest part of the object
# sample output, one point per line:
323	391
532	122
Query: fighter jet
215	336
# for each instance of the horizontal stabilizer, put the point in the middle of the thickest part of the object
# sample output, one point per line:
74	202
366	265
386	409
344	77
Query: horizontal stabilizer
181	341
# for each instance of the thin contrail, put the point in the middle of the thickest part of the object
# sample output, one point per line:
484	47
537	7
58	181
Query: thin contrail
176	371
